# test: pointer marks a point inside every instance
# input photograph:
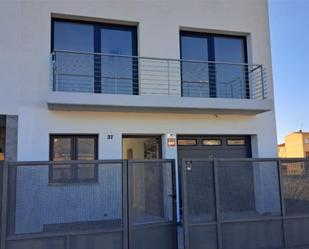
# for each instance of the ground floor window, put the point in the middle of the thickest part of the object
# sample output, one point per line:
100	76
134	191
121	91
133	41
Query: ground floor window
141	147
73	147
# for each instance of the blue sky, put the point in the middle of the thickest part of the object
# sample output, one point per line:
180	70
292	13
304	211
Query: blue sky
289	24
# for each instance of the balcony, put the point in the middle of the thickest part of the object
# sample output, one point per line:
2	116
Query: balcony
92	81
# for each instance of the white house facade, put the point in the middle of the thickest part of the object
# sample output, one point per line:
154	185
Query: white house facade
160	84
157	99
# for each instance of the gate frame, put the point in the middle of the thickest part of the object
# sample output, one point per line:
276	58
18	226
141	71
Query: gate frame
174	200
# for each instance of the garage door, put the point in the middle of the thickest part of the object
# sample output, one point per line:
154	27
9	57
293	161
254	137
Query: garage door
204	147
207	147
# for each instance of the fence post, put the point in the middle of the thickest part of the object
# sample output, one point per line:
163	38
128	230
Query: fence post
185	209
262	82
125	203
283	213
217	202
4	205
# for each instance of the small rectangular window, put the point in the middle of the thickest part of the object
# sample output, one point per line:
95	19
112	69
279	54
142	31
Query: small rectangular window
236	142
73	147
306	140
187	142
212	142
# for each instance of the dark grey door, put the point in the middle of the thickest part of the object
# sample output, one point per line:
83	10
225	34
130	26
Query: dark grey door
152	205
209	147
205	147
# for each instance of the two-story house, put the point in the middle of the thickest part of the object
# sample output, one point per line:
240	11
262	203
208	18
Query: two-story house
142	80
128	74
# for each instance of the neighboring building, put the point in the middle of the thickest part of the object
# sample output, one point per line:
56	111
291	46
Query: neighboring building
296	144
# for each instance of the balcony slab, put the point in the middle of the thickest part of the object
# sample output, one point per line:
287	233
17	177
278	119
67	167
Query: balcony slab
73	101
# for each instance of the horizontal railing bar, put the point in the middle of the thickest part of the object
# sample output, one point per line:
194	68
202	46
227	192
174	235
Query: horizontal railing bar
201	224
152	58
152	161
255	219
295	217
151	225
42	163
116	161
60	234
235	159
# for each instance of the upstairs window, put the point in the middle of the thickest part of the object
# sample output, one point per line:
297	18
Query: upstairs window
73	147
95	57
201	77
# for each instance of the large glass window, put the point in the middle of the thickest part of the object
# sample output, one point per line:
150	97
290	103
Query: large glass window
213	66
73	147
231	78
195	75
119	73
73	36
82	68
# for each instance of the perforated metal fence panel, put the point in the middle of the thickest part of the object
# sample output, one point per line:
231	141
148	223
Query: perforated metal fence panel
152	205
199	204
295	188
227	204
245	203
68	210
88	205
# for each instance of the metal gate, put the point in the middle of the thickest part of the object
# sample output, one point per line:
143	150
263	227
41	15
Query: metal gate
116	204
245	203
152	205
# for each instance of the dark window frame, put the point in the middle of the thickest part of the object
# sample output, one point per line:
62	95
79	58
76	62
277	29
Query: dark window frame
74	156
97	26
211	56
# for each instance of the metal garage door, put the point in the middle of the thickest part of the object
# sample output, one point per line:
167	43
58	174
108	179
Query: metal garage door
205	147
209	147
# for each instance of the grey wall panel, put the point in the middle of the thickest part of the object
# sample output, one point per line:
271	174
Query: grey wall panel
52	243
297	232
253	235
97	241
160	237
41	206
203	237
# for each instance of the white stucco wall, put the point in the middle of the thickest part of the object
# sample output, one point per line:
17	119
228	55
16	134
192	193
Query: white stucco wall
24	73
25	28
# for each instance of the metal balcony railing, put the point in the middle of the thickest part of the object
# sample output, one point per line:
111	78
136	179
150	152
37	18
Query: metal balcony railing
132	75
